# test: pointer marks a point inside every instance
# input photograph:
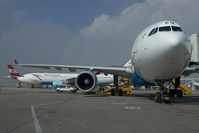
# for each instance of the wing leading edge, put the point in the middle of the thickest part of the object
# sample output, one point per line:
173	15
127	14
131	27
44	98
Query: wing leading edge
121	71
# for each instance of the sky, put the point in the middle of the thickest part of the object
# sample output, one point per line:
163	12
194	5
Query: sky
87	32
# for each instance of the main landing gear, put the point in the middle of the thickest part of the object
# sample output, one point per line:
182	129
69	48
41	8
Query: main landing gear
116	84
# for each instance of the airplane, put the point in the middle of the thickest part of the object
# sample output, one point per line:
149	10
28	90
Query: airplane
54	79
161	52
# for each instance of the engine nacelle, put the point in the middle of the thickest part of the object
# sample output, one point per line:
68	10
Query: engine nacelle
86	81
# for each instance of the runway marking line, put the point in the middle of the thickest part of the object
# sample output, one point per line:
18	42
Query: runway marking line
132	107
36	121
186	110
118	103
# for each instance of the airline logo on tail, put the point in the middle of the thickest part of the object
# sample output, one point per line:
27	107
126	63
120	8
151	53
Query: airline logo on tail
13	72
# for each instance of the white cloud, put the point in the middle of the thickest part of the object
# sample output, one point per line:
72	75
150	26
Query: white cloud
108	39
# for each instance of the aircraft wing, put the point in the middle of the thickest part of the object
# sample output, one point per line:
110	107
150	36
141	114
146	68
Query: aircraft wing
71	80
190	70
122	71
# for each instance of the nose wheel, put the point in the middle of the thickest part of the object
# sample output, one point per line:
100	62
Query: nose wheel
162	94
158	97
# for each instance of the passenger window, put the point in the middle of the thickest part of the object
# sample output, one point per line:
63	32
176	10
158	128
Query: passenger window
166	28
175	28
151	32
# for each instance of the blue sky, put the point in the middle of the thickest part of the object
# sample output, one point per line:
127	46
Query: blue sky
73	14
86	32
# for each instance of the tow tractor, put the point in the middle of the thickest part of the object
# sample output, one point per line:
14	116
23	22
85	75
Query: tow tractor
125	88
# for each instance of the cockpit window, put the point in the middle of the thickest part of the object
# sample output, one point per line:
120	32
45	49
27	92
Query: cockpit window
156	29
175	28
166	28
153	31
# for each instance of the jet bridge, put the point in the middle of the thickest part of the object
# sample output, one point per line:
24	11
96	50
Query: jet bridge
194	40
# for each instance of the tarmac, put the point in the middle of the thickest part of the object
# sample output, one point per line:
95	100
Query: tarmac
24	110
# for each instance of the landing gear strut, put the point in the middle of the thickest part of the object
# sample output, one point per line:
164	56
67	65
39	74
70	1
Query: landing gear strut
179	93
162	94
113	92
158	98
117	90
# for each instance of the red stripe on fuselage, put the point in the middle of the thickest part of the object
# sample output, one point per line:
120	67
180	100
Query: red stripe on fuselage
36	76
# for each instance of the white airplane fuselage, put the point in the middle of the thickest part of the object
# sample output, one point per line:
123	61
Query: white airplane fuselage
161	56
49	78
44	78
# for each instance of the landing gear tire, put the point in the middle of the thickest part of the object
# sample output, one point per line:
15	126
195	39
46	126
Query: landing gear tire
112	92
74	91
172	93
158	98
120	92
167	99
179	93
169	102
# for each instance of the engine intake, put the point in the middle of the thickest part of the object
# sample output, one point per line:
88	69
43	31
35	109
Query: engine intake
86	81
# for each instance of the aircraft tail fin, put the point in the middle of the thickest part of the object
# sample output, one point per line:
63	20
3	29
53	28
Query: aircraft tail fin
128	64
13	72
15	62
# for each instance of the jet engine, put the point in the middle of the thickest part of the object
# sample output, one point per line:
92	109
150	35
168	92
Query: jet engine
86	81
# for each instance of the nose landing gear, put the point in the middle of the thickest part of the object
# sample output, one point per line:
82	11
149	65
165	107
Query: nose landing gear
165	93
162	94
158	97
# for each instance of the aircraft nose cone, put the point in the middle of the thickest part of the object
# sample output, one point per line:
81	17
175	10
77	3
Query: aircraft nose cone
173	57
175	42
172	46
165	59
